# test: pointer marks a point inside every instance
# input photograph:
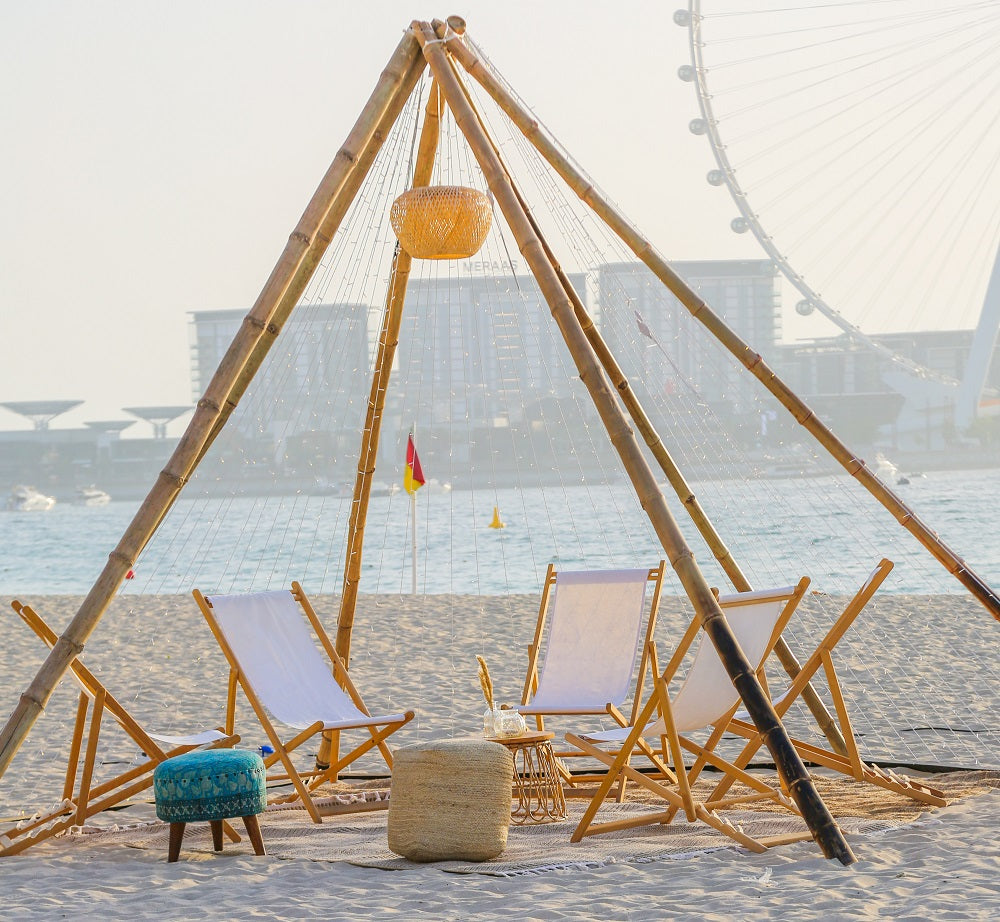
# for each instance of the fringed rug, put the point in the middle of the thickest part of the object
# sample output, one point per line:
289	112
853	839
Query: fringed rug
360	838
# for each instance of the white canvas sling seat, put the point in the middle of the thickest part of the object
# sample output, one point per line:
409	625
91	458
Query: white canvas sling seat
590	623
593	641
274	659
706	699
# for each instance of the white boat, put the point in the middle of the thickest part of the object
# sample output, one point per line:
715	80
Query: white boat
886	471
92	496
27	499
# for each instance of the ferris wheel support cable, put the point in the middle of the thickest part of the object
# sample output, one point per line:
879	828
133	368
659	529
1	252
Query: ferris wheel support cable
751	222
986	329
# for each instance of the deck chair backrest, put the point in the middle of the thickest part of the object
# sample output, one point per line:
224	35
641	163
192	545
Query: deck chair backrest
593	639
707	693
270	639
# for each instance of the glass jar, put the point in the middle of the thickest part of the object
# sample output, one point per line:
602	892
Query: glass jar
508	723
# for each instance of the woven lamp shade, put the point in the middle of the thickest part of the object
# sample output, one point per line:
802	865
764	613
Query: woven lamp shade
441	222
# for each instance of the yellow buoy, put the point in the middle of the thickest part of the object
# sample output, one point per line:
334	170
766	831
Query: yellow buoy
496	523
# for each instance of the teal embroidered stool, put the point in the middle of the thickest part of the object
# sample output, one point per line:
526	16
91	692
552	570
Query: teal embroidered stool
210	786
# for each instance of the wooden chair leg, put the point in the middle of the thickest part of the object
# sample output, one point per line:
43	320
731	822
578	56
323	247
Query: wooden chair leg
176	836
216	834
253	831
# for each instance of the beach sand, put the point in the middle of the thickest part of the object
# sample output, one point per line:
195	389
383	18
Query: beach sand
157	656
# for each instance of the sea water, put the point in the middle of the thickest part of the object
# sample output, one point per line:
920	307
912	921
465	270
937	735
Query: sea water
63	551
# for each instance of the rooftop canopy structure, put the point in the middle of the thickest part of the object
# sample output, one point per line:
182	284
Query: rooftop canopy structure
159	417
41	412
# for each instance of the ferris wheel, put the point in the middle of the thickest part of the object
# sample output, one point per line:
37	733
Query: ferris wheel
860	143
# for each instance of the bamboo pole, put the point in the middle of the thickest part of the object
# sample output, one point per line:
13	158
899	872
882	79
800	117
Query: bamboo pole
824	720
751	360
387	342
790	767
172	479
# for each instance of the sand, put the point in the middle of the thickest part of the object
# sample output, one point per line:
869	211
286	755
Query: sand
944	864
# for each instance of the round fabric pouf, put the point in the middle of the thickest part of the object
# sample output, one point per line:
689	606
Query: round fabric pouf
450	800
212	784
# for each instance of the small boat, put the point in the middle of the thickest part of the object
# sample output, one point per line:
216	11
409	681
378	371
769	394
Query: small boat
887	471
92	496
27	499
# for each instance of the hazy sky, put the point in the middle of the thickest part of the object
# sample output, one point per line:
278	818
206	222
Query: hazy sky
156	156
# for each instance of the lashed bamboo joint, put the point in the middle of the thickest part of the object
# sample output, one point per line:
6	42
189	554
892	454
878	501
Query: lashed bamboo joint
441	222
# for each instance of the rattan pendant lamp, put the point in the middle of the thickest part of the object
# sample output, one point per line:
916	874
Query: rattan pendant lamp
441	222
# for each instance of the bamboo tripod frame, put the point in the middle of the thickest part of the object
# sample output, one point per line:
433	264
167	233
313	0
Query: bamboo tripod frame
442	46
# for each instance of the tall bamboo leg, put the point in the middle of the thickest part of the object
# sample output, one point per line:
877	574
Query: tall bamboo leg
824	720
189	448
751	360
821	823
387	342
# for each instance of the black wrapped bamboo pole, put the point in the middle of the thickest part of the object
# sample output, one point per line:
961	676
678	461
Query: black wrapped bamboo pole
750	359
172	479
789	765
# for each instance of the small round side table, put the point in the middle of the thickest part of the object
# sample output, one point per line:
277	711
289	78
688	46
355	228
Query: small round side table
538	790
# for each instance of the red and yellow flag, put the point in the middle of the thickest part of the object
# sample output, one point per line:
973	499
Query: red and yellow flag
413	479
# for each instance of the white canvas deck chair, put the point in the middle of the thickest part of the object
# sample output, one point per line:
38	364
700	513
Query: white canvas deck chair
82	798
273	658
593	639
706	700
850	763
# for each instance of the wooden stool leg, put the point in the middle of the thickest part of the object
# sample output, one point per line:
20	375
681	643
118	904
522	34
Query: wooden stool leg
216	834
253	830
176	835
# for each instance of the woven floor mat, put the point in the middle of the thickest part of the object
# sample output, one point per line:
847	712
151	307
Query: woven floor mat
360	839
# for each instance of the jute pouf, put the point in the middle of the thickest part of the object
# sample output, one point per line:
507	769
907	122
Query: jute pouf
450	800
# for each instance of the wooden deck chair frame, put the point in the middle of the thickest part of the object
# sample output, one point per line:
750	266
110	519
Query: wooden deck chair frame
304	782
647	666
674	746
85	799
850	764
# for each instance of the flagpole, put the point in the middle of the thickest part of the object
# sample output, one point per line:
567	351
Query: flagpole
413	517
413	535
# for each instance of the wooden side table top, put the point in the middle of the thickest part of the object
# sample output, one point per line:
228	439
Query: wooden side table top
525	739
